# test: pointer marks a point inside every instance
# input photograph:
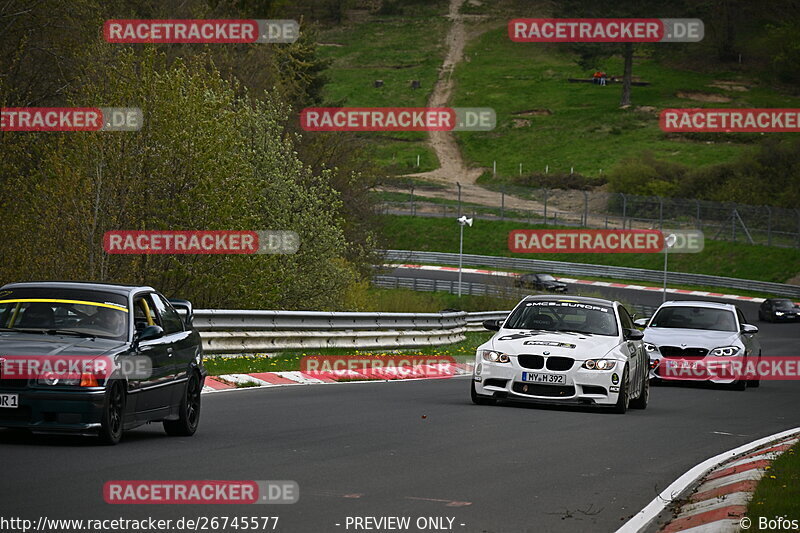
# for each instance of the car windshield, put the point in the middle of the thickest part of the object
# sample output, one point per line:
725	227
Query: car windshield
784	304
546	277
695	318
563	315
64	312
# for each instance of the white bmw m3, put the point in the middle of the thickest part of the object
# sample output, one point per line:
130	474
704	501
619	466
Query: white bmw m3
560	350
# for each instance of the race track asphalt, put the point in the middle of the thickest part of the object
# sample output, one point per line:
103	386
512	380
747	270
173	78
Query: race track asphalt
415	449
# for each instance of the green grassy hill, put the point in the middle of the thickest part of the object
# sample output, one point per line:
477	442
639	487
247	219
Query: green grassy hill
542	118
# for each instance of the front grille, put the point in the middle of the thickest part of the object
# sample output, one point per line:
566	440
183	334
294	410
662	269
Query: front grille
559	364
552	391
677	351
537	362
534	362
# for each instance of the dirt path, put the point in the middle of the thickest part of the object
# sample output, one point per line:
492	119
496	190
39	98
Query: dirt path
452	166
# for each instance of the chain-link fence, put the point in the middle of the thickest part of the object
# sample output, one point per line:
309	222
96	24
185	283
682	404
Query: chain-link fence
771	226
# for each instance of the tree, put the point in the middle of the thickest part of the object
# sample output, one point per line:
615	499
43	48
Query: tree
589	54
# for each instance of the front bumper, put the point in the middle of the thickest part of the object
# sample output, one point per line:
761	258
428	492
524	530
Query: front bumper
690	370
583	386
55	410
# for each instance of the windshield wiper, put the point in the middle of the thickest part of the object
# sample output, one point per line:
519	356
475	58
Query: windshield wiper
70	332
26	330
576	331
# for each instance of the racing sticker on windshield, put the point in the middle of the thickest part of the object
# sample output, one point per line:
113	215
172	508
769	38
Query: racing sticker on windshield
554	344
576	305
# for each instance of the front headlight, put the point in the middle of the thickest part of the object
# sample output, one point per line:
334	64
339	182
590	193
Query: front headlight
599	364
53	380
725	351
494	357
778	313
650	348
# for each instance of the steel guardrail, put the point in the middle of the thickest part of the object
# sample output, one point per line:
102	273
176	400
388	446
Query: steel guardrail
583	269
251	331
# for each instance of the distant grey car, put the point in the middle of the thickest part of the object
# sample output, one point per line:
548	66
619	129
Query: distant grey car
696	332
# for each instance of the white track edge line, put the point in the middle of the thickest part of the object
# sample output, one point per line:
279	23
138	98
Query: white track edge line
643	518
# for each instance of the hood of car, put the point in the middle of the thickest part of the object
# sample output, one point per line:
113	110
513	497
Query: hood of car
578	346
554	283
30	344
696	338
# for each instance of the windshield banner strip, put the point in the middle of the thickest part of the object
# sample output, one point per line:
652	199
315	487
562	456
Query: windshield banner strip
59	301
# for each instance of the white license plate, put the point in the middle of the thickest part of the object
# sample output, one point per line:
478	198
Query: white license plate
8	401
550	379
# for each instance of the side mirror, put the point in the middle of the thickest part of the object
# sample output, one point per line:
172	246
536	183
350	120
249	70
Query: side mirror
493	325
641	322
749	329
633	335
150	333
185	309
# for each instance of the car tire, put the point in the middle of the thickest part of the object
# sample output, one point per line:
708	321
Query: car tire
644	396
739	384
189	416
112	422
479	399
623	402
755	383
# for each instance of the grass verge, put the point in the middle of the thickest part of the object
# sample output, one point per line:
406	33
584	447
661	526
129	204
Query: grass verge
719	258
289	361
778	492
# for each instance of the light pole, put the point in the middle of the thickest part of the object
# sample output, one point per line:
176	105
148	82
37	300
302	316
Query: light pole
669	242
462	221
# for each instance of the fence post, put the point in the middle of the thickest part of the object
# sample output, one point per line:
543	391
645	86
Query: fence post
586	210
413	207
769	225
660	213
733	223
796	210
624	208
545	206
699	223
503	203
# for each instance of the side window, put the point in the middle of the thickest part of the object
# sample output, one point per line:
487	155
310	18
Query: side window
144	312
625	318
171	321
742	319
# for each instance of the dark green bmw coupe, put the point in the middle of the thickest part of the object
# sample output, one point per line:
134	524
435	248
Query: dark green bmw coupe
97	359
